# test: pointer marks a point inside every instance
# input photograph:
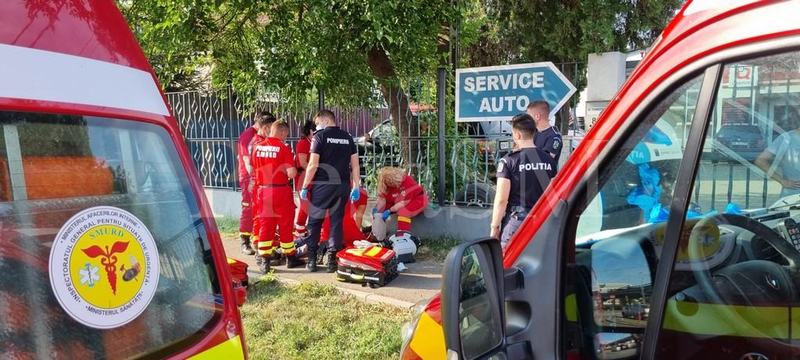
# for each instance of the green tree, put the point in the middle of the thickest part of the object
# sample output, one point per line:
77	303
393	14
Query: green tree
358	51
566	31
362	52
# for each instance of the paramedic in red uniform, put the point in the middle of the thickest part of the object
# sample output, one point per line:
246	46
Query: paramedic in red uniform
398	193
332	170
245	145
273	166
353	218
301	153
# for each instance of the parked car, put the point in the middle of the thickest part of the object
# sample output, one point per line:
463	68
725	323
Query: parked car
746	141
718	282
381	147
635	311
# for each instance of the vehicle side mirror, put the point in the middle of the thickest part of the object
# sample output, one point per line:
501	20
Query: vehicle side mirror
473	301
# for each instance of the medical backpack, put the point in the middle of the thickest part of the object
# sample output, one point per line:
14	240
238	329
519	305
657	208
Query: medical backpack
238	271
373	266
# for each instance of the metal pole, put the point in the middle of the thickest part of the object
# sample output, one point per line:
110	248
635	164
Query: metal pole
440	109
321	99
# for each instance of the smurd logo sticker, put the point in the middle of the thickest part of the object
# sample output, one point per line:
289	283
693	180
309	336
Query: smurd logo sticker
104	267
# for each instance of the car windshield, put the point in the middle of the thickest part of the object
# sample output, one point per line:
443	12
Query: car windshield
738	247
104	253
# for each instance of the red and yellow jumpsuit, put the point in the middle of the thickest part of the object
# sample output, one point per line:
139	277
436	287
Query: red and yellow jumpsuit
245	147
351	230
415	200
303	147
274	204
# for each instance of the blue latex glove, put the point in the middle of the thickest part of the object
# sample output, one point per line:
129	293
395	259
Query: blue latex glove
303	194
374	211
355	194
386	214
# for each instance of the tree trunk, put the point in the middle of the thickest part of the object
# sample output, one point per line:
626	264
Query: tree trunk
406	125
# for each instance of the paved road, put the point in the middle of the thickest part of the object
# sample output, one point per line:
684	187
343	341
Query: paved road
421	281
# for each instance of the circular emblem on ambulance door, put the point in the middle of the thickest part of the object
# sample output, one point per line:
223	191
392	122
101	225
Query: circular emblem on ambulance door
104	267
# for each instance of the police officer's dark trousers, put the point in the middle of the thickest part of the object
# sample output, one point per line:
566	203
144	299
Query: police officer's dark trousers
327	198
511	223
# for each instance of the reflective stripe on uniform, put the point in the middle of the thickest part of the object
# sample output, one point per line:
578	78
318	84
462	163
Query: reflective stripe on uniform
265	249
287	246
403	219
242	233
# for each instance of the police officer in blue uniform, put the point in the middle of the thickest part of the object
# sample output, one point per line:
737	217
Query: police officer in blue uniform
332	171
547	137
522	177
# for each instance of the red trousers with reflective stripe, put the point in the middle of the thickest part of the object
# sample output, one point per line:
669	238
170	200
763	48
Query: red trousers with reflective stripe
246	218
415	207
274	209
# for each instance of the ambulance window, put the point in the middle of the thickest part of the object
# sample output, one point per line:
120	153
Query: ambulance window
57	167
734	286
609	279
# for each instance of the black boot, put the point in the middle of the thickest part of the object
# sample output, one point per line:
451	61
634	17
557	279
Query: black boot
246	248
312	262
263	264
277	259
332	265
293	261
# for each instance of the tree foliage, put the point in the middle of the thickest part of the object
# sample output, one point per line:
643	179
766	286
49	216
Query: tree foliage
567	31
342	46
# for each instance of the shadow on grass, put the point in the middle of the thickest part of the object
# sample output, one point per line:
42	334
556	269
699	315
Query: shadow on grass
436	249
313	320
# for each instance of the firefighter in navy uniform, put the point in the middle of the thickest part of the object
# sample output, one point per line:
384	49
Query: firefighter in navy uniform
332	172
273	166
547	137
522	177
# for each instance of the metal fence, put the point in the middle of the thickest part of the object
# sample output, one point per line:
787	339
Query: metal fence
386	136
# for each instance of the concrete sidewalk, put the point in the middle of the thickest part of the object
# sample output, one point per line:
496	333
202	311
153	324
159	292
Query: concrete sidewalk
421	281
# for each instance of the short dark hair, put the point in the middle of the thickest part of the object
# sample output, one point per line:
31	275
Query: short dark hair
308	128
539	104
524	123
326	114
264	118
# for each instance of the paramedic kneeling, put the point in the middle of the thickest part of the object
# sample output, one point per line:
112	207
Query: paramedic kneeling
332	170
522	177
398	193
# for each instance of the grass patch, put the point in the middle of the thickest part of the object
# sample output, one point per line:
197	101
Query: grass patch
316	321
436	249
227	226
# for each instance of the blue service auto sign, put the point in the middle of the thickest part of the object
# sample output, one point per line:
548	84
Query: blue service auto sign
499	92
